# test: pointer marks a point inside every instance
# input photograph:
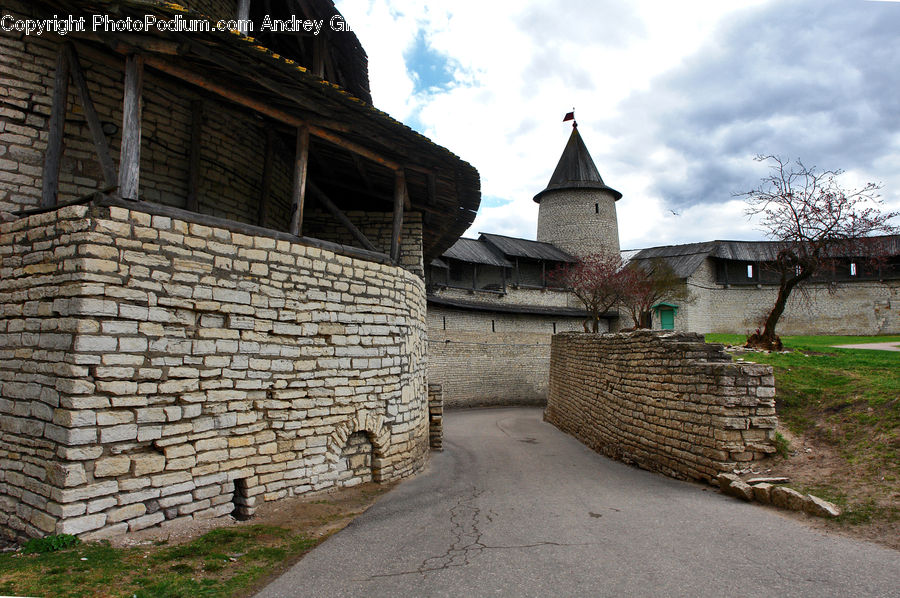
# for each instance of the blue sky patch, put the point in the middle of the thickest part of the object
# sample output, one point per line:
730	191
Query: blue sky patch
429	68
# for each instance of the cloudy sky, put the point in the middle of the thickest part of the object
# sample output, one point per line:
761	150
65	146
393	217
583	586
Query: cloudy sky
673	99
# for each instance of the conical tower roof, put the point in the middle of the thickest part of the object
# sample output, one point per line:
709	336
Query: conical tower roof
576	170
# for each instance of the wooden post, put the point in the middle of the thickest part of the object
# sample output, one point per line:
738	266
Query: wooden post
399	196
101	146
53	157
243	14
130	155
193	198
301	165
474	276
266	187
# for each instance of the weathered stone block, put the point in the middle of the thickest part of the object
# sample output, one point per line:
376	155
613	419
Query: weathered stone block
79	525
112	466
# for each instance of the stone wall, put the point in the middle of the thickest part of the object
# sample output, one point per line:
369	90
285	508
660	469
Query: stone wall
579	221
155	370
664	401
491	358
864	307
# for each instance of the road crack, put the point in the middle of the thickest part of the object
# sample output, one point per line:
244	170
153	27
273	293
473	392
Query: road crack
466	529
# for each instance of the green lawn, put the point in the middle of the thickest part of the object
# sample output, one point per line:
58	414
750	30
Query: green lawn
220	563
847	397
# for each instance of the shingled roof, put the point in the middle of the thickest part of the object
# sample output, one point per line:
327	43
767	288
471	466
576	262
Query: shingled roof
576	170
536	250
685	259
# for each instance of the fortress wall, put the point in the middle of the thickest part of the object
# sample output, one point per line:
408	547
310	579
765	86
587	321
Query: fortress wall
155	370
579	221
664	401
487	358
865	307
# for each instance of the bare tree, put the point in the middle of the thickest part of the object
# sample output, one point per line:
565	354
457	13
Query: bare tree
646	285
814	220
597	282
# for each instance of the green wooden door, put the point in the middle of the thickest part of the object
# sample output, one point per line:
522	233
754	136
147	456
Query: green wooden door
667	319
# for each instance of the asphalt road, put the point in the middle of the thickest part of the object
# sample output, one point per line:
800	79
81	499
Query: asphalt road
513	507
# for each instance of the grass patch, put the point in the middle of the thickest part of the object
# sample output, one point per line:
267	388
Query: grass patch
849	398
222	562
782	445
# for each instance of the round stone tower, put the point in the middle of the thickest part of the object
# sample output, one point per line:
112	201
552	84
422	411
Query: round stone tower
577	209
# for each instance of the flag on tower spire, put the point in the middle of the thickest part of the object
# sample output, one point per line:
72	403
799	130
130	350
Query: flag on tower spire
571	116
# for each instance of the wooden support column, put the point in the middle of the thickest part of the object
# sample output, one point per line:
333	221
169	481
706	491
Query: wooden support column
193	198
301	165
340	216
53	157
399	196
503	271
543	274
101	146
474	276
130	155
266	187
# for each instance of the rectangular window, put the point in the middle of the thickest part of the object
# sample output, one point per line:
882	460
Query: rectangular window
852	269
596	208
749	270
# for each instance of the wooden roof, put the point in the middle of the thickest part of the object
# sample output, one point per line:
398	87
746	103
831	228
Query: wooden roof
443	187
685	259
525	248
576	170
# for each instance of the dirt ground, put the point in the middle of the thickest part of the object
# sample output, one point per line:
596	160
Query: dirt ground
814	464
316	515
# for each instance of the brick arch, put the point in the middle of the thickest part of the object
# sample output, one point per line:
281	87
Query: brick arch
372	425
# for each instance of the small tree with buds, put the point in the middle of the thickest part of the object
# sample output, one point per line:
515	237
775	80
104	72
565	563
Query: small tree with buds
648	284
813	219
596	280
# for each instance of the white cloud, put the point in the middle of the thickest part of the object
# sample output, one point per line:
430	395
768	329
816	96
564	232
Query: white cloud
633	71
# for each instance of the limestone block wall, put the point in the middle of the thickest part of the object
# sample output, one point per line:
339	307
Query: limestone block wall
155	370
864	307
664	401
487	358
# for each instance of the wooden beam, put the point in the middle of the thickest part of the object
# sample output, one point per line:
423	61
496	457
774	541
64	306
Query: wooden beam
322	198
399	196
259	106
266	187
53	156
130	155
101	146
193	198
301	165
354	147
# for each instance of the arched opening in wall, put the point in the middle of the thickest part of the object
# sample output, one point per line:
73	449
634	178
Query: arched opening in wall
356	463
244	504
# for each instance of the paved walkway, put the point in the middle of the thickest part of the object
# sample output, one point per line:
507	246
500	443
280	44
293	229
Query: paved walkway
873	346
513	507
